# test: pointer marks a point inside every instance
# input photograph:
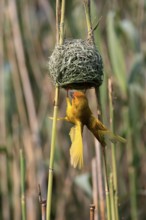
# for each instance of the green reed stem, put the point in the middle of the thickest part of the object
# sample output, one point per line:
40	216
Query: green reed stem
88	18
62	23
91	37
22	174
108	202
133	193
50	181
105	166
113	213
60	39
113	153
57	20
131	170
108	207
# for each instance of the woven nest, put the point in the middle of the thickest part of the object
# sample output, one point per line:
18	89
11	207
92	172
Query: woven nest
76	64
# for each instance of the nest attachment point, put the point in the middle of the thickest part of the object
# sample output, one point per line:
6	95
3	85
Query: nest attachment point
76	64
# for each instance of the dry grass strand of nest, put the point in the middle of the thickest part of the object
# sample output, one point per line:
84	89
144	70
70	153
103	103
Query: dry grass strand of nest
76	64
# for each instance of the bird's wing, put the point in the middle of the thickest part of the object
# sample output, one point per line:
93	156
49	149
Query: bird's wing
76	150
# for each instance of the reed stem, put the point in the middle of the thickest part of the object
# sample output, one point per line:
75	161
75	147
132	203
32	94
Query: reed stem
113	213
113	154
42	203
95	188
59	38
104	165
92	212
132	172
22	174
108	202
62	22
91	37
100	180
50	181
88	18
57	20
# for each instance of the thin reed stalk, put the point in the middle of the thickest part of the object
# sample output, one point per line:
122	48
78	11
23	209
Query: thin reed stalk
104	164
2	84
61	39
22	177
132	173
42	203
10	50
92	212
95	187
4	183
100	181
51	164
27	35
133	199
57	20
108	201
90	36
88	18
16	172
111	188
113	154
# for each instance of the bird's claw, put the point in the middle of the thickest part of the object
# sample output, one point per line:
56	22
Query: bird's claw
58	119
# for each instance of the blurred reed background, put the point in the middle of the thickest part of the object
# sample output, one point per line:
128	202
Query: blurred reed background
27	38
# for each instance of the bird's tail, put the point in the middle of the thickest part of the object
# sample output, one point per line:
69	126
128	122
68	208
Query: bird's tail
76	150
110	136
102	133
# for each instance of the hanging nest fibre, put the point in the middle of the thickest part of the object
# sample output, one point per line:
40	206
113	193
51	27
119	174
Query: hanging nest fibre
76	64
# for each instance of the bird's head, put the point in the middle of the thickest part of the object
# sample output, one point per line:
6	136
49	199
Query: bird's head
78	94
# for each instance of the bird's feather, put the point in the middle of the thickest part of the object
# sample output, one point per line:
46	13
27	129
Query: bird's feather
76	150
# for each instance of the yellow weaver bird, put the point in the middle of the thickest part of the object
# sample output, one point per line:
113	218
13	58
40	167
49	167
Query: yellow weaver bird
79	113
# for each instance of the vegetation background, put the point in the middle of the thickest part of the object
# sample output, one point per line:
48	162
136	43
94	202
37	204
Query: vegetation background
27	38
